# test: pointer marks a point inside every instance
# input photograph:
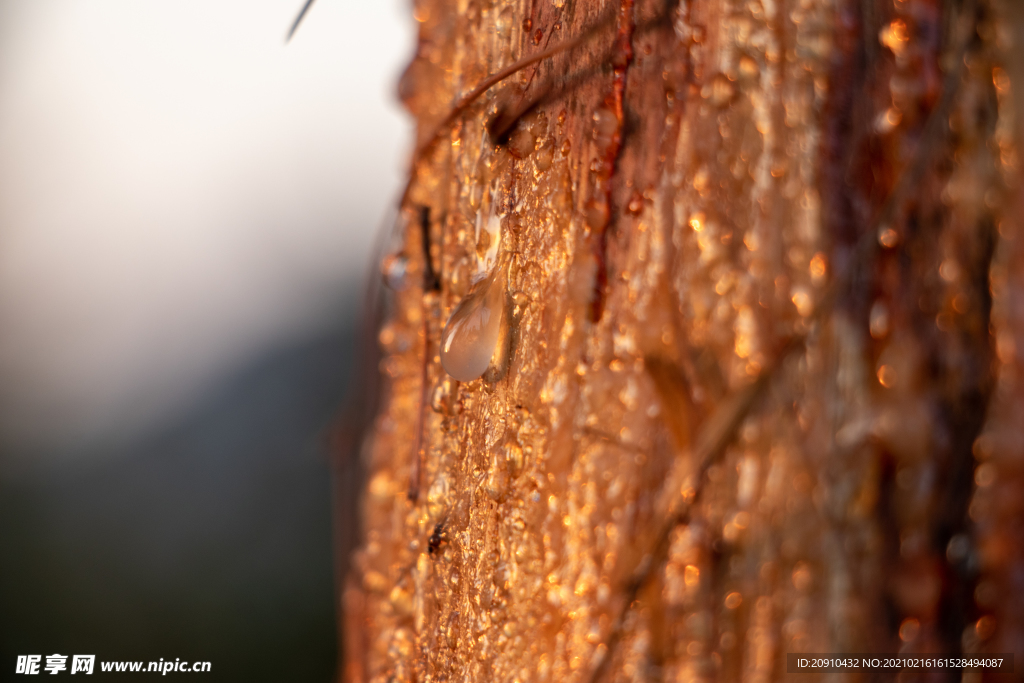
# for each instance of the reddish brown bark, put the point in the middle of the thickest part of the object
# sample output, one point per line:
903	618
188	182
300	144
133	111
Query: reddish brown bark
763	327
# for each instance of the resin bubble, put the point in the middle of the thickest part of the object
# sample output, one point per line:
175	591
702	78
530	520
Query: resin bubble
475	329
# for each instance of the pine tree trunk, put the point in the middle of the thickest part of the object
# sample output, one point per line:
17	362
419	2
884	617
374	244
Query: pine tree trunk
755	389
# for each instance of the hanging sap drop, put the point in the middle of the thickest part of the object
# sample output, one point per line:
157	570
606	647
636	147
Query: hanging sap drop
476	329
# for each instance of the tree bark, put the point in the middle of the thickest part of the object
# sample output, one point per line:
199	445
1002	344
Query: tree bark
756	391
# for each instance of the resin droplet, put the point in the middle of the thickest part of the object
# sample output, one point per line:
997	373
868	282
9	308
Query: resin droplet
394	269
476	327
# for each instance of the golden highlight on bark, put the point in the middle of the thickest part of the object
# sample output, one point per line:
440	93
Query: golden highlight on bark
758	278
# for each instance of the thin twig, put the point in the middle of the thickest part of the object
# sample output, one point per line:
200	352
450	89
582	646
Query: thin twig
497	77
298	20
486	84
712	443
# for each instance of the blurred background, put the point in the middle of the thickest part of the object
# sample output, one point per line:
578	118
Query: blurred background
187	211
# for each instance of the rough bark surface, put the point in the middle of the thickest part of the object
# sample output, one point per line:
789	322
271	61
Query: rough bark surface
765	295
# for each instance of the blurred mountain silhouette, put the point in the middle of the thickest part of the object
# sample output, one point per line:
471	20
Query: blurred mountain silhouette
207	540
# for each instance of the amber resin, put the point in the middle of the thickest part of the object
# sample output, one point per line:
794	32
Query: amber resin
755	340
475	340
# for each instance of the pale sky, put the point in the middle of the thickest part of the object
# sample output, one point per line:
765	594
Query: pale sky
180	190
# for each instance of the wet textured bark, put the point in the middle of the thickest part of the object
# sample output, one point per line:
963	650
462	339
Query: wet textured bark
764	295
